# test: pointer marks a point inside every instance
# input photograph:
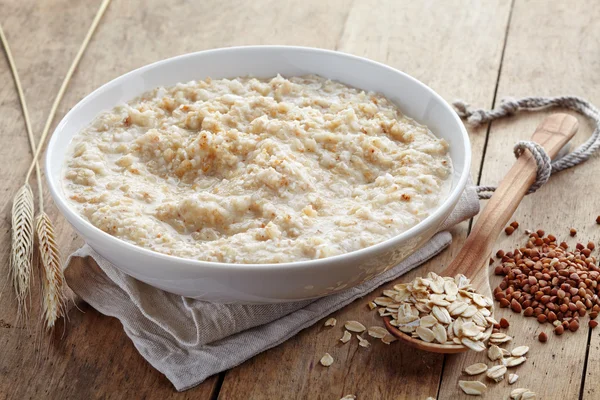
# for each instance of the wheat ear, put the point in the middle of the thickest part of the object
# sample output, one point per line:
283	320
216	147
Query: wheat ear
22	212
54	299
20	261
54	295
22	245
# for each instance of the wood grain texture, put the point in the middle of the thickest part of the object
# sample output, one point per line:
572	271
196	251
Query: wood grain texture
537	48
455	47
413	45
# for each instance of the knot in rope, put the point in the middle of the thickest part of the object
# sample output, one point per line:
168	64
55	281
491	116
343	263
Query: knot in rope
542	161
476	117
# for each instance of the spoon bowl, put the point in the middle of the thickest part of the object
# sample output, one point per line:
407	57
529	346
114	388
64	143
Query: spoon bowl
421	345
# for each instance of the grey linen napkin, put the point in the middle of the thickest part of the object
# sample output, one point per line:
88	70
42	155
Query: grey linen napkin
189	340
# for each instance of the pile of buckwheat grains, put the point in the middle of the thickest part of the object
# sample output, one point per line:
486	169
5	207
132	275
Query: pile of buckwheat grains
549	281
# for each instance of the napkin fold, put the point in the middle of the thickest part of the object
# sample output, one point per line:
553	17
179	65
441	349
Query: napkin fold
189	340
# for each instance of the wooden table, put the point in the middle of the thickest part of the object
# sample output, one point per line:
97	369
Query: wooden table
474	50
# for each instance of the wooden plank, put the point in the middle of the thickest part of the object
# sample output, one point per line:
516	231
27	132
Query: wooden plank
94	358
545	55
406	36
132	34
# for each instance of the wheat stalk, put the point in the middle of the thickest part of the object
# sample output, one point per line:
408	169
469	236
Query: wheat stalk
65	82
22	211
54	295
22	245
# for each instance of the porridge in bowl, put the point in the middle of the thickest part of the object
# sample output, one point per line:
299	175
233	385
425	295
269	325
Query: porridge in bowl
253	171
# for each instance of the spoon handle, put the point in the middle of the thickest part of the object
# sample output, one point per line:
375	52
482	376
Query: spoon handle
472	260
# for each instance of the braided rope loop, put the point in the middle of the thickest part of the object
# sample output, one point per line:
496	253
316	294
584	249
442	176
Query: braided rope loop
545	166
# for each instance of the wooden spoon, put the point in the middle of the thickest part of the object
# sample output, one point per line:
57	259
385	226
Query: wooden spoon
472	260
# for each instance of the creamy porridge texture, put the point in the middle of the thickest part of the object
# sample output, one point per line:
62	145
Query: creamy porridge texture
256	171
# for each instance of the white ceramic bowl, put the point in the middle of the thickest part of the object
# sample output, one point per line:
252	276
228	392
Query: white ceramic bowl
263	283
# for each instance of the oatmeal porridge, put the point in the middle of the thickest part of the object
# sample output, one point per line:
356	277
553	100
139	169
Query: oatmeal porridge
252	170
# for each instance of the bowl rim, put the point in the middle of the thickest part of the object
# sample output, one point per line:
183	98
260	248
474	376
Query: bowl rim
176	261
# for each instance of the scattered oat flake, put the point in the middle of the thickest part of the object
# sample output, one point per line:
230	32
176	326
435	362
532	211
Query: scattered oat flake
457	308
355	326
377	332
428	321
331	322
469	312
439	300
387	339
517	393
476	369
362	341
519	351
496	372
473	388
383	301
346	337
326	360
439	333
473	345
512	378
400	287
480	320
408	328
437	286
470	329
425	334
422	307
441	314
372	305
494	353
348	397
514	361
450	288
479	300
498	338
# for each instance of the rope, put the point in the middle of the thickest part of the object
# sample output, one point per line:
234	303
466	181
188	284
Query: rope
545	167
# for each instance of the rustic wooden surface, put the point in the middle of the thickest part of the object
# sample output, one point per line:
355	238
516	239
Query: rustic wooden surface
537	46
478	51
